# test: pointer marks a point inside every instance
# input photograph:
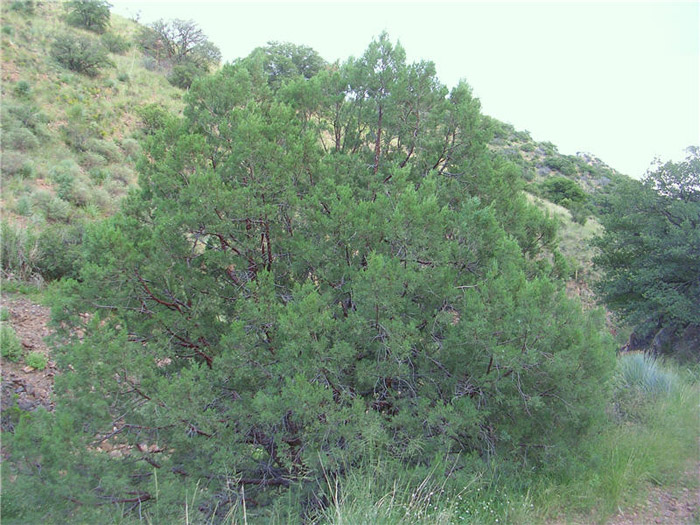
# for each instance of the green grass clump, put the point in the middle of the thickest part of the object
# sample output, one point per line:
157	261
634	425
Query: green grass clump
650	437
37	360
10	345
643	375
4	314
19	251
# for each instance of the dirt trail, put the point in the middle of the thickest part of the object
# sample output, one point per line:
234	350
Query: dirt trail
679	505
24	387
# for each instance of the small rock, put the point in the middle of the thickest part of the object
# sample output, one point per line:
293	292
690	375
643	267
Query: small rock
28	369
26	404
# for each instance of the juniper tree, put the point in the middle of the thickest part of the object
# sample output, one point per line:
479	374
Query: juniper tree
266	312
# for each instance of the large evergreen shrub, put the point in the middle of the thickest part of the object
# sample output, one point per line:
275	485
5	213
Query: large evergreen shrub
302	282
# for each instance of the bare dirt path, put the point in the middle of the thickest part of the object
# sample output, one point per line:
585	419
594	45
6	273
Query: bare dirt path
24	387
670	506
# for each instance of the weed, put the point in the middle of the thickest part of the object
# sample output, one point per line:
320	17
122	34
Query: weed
9	343
36	360
22	89
20	251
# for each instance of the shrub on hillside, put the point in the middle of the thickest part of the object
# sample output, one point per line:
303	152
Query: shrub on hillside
63	175
104	148
183	75
20	139
80	54
60	247
13	163
22	89
131	148
53	208
561	190
26	115
23	206
121	174
313	308
92	15
115	43
90	160
26	7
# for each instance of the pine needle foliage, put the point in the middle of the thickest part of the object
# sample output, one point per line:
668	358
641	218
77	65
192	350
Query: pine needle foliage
307	277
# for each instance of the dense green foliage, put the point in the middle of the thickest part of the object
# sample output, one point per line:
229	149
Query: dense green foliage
80	54
283	61
306	278
650	249
88	14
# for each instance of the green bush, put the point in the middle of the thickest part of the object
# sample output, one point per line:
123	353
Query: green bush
115	43
80	54
20	139
561	190
98	175
24	206
28	115
60	247
26	7
92	15
4	314
131	148
121	174
53	208
153	117
64	176
13	163
312	311
10	343
90	160
22	89
105	148
36	360
183	75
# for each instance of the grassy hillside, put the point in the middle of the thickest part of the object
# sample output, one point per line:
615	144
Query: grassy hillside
69	140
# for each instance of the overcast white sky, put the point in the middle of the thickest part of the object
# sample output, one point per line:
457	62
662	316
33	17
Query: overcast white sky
617	79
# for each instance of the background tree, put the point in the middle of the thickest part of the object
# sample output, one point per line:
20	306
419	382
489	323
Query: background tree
650	249
89	14
181	48
80	54
284	61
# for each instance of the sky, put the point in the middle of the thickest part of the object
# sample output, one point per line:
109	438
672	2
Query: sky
617	79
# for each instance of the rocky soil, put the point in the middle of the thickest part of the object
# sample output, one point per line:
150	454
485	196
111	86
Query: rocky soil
23	387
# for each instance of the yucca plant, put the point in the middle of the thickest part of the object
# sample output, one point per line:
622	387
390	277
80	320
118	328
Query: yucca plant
645	374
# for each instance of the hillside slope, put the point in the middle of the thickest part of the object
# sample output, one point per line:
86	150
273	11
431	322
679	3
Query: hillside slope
69	140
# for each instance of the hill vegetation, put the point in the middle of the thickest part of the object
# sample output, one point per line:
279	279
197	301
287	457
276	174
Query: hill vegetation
337	293
69	139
